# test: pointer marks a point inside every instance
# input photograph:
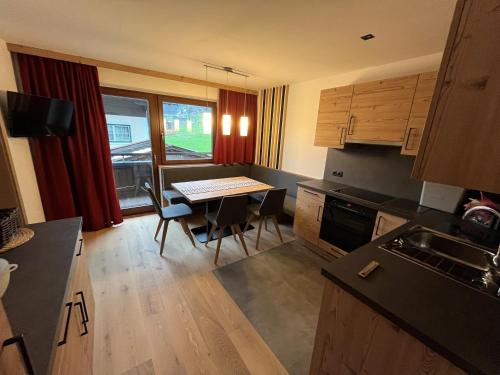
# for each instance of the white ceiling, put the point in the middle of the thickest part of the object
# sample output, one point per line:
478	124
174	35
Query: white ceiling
276	41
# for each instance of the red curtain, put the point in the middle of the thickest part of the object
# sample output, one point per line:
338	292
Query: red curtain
74	173
234	148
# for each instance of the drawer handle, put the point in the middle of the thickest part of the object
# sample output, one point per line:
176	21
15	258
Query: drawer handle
86	316
69	305
317	216
349	128
86	331
19	340
378	225
80	249
310	192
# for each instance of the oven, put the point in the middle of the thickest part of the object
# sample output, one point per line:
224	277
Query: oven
347	225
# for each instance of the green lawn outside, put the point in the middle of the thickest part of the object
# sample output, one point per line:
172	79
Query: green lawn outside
194	140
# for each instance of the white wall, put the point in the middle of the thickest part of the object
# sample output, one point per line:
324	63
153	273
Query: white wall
131	81
299	154
19	151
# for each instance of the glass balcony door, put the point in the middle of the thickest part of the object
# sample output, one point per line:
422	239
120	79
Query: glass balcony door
129	116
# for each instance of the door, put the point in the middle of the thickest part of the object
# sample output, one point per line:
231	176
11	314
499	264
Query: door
380	111
418	114
129	116
460	145
333	117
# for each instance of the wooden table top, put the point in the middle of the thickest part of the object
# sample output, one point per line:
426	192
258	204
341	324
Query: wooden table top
207	190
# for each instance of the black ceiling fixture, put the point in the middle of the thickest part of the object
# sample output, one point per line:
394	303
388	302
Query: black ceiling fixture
367	37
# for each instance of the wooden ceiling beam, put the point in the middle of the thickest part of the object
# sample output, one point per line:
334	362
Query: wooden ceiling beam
17	48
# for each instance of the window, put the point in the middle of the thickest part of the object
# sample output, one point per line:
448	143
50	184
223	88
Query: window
119	133
185	137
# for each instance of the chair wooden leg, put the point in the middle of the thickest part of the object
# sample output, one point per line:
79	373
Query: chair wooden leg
275	221
234	233
250	218
186	230
219	240
210	234
265	222
258	233
240	235
158	228
165	228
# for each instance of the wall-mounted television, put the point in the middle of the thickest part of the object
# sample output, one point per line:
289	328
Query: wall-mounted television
38	116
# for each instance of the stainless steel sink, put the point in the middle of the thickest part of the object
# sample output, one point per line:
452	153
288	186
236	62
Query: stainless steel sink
452	256
449	247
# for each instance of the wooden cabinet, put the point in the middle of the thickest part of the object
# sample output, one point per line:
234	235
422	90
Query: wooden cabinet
351	338
380	110
75	339
11	361
460	144
333	117
418	114
308	214
384	223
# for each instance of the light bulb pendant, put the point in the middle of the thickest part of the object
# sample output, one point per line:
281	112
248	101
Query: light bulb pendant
226	124
207	123
243	126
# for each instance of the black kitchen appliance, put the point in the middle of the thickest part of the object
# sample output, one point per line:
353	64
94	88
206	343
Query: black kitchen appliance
346	225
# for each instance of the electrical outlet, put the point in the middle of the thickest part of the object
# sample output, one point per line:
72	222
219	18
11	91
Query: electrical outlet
338	173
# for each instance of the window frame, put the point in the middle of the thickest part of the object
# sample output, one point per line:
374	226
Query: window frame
126	126
180	100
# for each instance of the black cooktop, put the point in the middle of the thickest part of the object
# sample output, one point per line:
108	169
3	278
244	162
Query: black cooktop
366	195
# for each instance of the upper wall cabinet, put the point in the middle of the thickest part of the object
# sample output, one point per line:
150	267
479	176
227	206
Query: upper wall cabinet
380	110
418	114
461	141
333	117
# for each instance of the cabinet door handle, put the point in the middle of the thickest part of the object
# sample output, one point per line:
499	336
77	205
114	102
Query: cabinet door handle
86	315
408	138
19	340
80	249
69	306
342	141
349	128
86	331
317	216
378	224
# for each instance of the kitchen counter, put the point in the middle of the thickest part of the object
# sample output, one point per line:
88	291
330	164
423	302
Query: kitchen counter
397	206
453	319
34	300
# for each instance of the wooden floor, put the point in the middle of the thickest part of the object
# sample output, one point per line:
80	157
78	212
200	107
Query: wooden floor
170	315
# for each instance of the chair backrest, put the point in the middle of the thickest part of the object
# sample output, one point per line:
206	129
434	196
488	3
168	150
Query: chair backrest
156	204
232	210
272	204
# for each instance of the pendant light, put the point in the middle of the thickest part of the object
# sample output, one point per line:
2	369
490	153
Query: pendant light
207	115
226	118
244	118
189	126
177	125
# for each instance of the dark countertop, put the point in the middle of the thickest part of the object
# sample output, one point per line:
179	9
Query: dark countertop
453	319
322	186
34	300
397	206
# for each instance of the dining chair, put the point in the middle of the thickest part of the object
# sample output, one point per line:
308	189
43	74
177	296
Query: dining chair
173	212
271	206
231	213
174	197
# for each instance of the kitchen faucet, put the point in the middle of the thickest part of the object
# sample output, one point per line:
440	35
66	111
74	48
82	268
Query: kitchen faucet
493	225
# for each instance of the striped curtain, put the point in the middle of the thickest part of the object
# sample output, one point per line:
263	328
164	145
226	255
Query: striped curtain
271	126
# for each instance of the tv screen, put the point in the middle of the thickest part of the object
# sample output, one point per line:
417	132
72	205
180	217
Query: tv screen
37	116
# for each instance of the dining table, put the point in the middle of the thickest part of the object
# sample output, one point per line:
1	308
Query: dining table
210	191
